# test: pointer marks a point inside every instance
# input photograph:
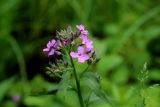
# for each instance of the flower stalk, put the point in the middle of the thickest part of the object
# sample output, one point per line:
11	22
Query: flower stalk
77	84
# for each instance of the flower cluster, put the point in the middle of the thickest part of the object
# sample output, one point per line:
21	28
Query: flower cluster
67	38
85	47
67	45
52	48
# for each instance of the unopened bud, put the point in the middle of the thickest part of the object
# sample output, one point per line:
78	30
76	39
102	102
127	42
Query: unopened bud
89	61
97	60
78	33
69	28
57	53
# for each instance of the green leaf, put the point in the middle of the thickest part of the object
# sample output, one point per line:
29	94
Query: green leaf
92	80
45	92
109	62
4	87
39	86
65	83
65	80
38	101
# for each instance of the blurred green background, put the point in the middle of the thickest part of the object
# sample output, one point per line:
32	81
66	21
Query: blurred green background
125	32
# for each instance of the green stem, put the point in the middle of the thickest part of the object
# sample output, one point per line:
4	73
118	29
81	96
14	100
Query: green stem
77	83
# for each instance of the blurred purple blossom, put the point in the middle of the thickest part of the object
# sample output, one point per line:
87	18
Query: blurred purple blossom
16	98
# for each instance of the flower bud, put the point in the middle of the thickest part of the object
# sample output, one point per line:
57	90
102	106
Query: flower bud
89	61
97	60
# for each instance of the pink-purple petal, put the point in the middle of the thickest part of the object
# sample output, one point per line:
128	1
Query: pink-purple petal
45	50
80	27
51	52
74	54
85	56
88	49
84	39
89	40
84	32
81	60
53	42
89	45
49	44
80	50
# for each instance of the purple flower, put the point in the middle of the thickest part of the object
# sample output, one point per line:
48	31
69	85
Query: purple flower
88	42
84	32
81	55
80	27
16	98
52	48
